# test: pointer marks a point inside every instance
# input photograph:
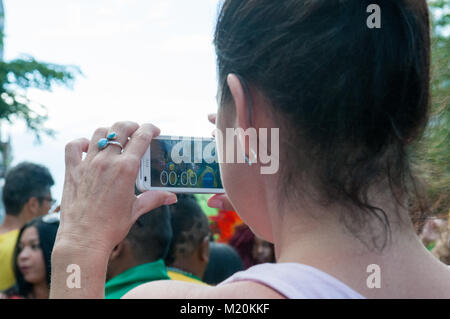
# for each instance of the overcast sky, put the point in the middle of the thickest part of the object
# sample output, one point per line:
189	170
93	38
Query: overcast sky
145	61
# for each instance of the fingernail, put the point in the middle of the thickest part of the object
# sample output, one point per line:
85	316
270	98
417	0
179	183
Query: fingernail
171	200
215	203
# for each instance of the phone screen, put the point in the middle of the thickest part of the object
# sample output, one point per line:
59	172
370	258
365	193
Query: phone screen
189	163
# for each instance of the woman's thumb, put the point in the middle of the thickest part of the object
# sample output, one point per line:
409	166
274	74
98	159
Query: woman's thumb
151	200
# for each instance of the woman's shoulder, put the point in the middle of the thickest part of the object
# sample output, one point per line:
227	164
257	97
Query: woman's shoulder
264	281
11	293
173	289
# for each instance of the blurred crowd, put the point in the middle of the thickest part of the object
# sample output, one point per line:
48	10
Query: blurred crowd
173	242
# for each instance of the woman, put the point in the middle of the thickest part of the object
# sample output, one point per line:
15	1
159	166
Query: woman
347	99
32	256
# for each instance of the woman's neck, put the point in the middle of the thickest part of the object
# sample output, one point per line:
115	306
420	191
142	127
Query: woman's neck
317	237
335	227
40	291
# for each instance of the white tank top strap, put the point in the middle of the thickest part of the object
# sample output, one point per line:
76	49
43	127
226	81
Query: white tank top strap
296	281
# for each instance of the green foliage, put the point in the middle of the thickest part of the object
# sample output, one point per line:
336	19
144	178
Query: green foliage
434	149
19	75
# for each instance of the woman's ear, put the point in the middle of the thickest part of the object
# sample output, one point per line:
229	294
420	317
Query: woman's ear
242	119
243	116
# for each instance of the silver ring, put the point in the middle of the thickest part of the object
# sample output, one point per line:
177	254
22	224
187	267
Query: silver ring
115	143
104	143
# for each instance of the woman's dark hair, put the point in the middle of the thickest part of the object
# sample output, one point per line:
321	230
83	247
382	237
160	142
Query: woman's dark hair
352	96
47	229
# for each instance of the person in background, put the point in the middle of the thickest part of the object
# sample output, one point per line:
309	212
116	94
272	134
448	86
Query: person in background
431	232
442	248
189	251
2	207
263	251
224	262
435	236
26	195
139	257
252	249
32	257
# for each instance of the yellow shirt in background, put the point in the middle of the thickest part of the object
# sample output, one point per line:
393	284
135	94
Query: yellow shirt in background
177	274
7	244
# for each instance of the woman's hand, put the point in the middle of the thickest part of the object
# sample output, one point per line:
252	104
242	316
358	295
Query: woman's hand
98	199
99	205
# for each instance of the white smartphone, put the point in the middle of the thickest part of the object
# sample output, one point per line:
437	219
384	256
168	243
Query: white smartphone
180	165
